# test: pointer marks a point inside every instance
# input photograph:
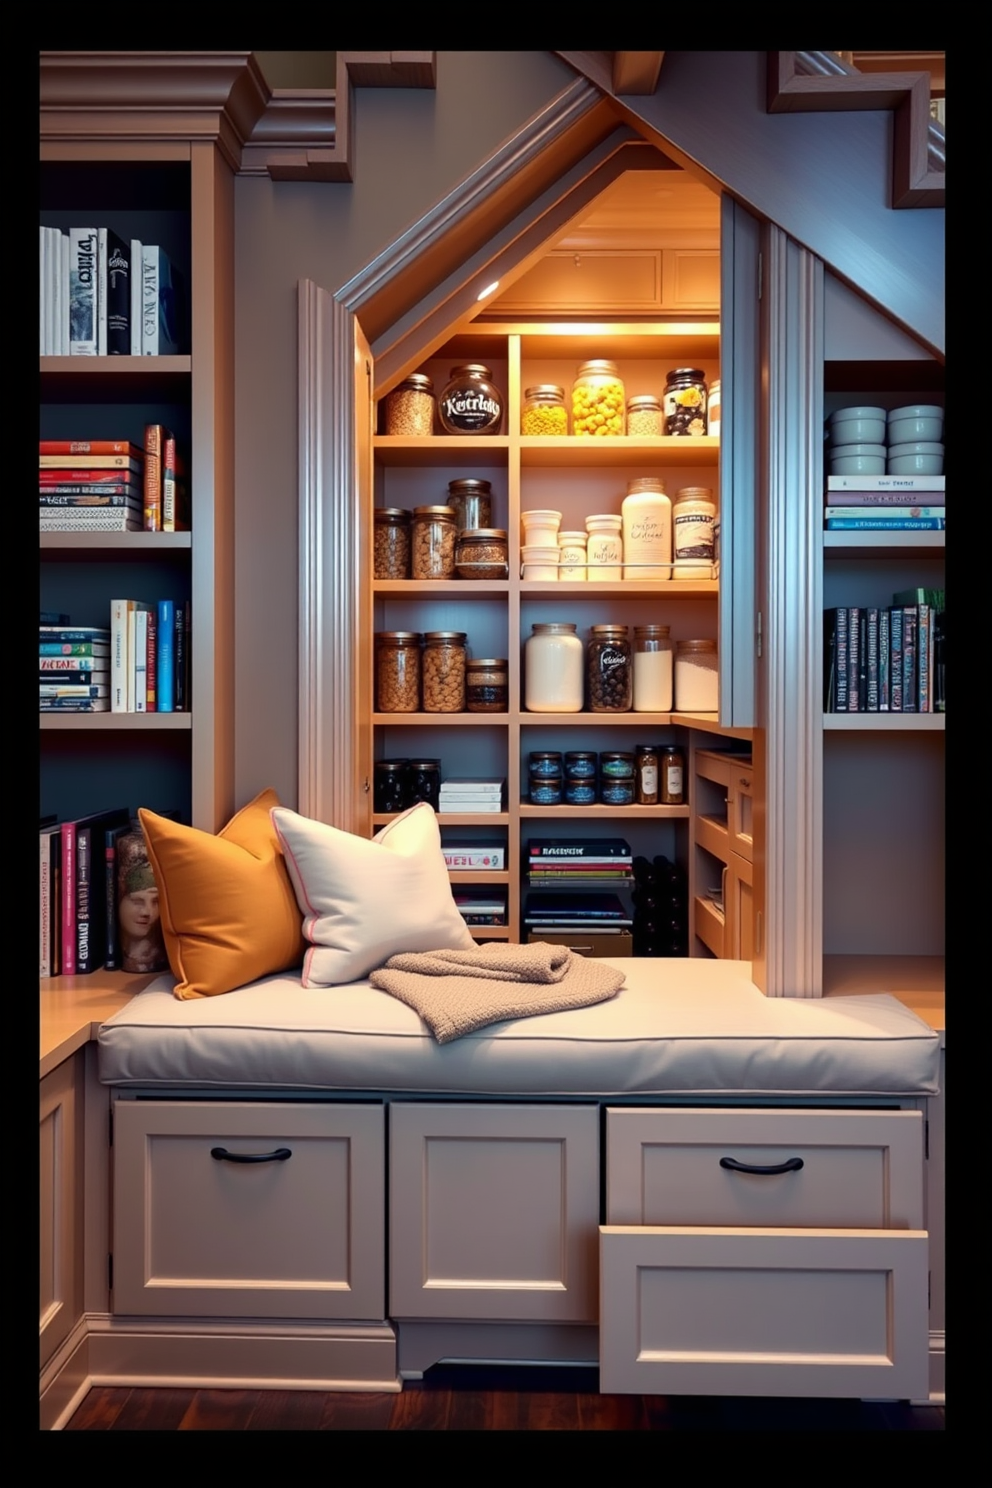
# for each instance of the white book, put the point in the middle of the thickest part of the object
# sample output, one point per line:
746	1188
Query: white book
58	291
466	808
63	296
118	654
101	291
885	483
45	306
141	661
83	275
136	280
149	299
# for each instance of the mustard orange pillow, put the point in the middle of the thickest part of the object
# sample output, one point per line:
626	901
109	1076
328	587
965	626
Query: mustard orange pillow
229	911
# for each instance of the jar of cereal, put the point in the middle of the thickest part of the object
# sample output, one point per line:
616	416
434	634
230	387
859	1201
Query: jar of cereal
410	406
544	410
391	543
644	415
598	401
397	671
434	535
443	669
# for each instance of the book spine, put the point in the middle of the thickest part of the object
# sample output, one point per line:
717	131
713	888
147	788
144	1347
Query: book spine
843	673
45	905
923	658
166	688
88	498
68	649
909	659
470	859
118	295
895	658
58	666
151	663
938	662
853	658
47	464
68	898
134	288
886	483
82	291
883	661
77	676
169	482
118	654
871	659
861	503
84	899
881	524
181	657
169	299
140	661
149	300
74	705
45	307
101	291
98	521
830	661
111	961
155	435
884	514
89	447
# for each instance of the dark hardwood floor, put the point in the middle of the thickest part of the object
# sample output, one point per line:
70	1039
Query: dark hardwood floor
483	1398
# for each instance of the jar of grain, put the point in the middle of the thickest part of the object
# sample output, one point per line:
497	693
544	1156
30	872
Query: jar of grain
397	671
433	545
544	410
644	415
553	669
653	669
410	406
480	553
608	669
471	403
391	543
486	685
598	400
604	547
696	678
472	502
647	529
443	683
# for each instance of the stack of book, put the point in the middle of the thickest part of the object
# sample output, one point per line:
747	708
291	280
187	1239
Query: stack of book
473	855
103	295
481	907
602	912
74	669
90	485
166	493
149	656
884	503
886	659
463	793
562	861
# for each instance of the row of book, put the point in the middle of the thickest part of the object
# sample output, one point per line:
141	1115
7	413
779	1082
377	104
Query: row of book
98	902
889	503
885	659
104	295
140	663
562	861
113	485
464	793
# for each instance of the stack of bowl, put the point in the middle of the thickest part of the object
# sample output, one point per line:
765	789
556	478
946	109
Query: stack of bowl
539	551
869	441
915	440
857	441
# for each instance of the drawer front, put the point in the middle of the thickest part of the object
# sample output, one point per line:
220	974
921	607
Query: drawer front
201	1235
859	1169
587	943
830	1313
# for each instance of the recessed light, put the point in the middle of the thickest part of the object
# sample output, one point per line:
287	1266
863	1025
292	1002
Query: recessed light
488	290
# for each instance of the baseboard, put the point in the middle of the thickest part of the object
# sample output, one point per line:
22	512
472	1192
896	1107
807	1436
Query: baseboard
936	1369
65	1380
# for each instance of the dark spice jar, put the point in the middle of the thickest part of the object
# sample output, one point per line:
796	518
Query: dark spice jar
684	400
647	775
609	674
389	785
471	403
424	782
486	685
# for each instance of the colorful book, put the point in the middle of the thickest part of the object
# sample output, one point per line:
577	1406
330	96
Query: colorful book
884	484
155	438
141	660
59	631
861	503
49	851
883	661
151	663
90	447
83	276
854	659
843	665
871	659
596	848
895	659
118	295
887	514
108	520
136	606
923	658
909	662
469	855
78	675
74	705
74	691
84	461
90	887
89	498
881	524
92	649
175	505
58	666
166	678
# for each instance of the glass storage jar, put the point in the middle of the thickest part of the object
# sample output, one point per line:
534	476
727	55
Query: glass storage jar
652	687
598	400
685	401
433	545
471	403
424	782
480	553
580	777
410	406
471	501
572	555
389	785
604	547
696	677
671	775
443	671
646	514
644	414
544	778
646	775
693	518
391	543
616	777
553	668
544	410
486	685
397	671
608	669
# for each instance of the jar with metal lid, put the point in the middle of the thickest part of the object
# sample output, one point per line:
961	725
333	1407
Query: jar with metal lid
604	547
696	679
481	553
486	686
544	410
389	785
410	406
544	777
580	777
443	671
617	774
397	671
598	399
652	687
644	414
433	546
471	403
713	410
693	518
424	782
671	775
608	669
553	668
391	543
646	775
684	401
572	556
646	513
472	502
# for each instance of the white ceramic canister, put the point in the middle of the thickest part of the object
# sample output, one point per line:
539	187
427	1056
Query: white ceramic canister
604	547
572	555
696	678
540	562
653	669
647	529
541	528
693	518
553	658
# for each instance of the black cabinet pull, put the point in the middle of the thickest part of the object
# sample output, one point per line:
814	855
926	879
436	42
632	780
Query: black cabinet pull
791	1165
221	1154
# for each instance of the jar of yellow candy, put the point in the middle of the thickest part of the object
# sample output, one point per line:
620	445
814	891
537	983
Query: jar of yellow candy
544	410
598	399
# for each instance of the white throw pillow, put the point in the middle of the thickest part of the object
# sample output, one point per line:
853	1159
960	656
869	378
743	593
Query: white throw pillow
363	901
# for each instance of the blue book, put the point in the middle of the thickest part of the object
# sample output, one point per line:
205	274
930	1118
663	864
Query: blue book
166	674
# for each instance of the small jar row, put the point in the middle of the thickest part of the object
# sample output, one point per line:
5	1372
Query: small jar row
450	540
650	538
650	775
610	675
431	672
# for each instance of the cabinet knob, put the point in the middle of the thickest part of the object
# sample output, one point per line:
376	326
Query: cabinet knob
279	1154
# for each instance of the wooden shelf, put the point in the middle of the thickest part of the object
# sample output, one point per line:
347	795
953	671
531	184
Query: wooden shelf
115	542
881	544
580	453
72	1009
116	721
885	723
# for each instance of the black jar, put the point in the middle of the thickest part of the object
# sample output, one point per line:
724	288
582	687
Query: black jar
389	785
424	782
685	399
471	403
617	772
609	674
544	778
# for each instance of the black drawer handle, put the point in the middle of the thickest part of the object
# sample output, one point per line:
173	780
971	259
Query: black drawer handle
791	1165
221	1154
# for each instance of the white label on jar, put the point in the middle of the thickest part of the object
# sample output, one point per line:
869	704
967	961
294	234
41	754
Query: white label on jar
652	681
649	780
604	549
673	780
693	535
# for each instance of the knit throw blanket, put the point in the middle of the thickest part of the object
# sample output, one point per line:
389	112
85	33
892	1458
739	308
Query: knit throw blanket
456	992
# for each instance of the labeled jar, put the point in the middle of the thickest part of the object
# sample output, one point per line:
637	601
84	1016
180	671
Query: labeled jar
480	553
580	777
410	406
696	678
693	534
598	399
540	528
685	401
653	669
572	555
608	669
646	515
544	410
644	415
443	671
604	547
544	780
486	685
471	403
397	671
391	543
424	782
472	502
553	669
433	544
540	563
646	775
617	775
389	785
671	775
713	410
545	764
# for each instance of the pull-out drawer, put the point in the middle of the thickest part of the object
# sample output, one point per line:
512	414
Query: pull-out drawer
837	1169
243	1209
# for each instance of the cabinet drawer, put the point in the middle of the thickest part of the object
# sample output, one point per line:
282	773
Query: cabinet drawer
198	1234
860	1169
587	943
702	1311
740	809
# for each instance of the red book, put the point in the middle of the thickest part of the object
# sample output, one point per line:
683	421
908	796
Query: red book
52	477
151	648
155	437
90	447
68	899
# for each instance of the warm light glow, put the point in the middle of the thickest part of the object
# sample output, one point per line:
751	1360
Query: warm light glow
489	289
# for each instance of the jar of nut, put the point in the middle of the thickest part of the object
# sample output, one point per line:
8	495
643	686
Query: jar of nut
644	415
486	689
397	671
598	399
480	553
444	671
472	502
544	410
410	406
609	673
433	547
391	543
